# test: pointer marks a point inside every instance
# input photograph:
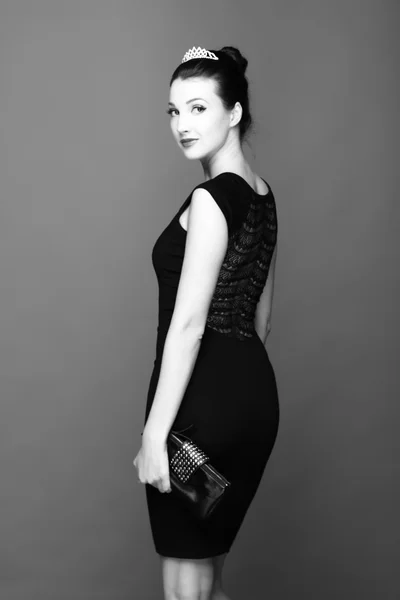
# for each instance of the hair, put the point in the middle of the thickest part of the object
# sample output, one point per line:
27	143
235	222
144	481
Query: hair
229	75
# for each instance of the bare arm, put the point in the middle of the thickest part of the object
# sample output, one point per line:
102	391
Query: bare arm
262	320
206	244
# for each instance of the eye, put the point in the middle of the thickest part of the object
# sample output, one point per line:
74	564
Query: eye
169	111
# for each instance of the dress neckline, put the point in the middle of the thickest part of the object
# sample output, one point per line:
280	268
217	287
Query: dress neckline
255	194
247	184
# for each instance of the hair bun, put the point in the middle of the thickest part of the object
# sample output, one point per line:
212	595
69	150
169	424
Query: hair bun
236	55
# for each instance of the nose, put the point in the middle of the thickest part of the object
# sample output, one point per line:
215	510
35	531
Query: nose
181	125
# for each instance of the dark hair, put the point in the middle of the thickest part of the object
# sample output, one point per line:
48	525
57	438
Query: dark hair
229	74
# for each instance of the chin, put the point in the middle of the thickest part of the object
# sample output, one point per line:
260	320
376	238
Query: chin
190	154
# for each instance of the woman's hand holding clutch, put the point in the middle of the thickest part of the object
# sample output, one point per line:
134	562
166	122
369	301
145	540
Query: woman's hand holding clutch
152	463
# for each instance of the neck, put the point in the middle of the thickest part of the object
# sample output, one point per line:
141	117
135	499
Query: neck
228	158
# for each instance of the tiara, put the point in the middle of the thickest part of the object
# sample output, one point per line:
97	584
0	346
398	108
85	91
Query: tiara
198	53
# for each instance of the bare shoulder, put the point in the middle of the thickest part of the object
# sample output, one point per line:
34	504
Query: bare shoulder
259	185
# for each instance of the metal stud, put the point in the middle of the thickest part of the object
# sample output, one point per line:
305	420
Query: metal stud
187	460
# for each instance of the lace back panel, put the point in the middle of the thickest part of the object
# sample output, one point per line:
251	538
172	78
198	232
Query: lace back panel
244	271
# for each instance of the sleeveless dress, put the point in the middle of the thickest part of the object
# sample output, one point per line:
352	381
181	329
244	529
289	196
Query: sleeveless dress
231	399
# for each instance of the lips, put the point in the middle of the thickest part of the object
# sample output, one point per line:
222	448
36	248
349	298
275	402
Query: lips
188	140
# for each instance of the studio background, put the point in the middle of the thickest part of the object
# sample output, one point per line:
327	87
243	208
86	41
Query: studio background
90	175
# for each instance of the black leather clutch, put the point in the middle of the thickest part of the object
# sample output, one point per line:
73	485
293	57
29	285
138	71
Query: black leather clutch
200	486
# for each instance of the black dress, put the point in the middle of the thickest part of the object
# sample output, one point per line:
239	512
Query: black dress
231	398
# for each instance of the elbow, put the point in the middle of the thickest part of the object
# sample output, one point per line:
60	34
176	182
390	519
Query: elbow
267	330
189	330
263	330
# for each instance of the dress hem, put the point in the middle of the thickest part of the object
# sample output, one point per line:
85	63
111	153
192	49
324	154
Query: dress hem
191	557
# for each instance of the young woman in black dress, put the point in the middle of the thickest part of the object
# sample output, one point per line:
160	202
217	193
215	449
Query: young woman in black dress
215	265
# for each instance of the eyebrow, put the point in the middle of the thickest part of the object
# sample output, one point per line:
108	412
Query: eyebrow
192	100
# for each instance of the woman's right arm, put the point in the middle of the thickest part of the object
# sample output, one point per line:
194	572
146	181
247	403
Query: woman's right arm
262	320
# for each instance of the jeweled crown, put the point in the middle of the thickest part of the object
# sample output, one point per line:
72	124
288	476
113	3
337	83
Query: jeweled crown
198	53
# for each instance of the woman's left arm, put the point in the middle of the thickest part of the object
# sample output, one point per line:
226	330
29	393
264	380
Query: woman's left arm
205	249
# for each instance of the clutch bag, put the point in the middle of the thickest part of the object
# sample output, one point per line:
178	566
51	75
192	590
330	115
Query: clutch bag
199	485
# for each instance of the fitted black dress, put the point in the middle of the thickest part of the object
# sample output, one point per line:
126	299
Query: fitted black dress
231	398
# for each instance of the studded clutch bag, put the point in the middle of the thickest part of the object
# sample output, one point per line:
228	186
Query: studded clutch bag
193	479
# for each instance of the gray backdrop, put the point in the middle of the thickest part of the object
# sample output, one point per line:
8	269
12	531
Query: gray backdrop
90	175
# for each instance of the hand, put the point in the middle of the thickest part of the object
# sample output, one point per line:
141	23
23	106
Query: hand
152	465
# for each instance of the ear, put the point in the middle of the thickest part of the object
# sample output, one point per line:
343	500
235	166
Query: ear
236	114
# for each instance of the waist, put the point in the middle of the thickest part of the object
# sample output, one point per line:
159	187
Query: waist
232	338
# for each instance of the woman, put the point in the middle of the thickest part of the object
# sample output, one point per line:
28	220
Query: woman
215	268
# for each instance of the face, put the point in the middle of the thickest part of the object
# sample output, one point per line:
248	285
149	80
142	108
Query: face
196	111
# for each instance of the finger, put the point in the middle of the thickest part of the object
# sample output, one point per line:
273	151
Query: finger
166	487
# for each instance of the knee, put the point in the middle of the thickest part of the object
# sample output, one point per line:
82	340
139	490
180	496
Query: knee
185	593
188	579
180	596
